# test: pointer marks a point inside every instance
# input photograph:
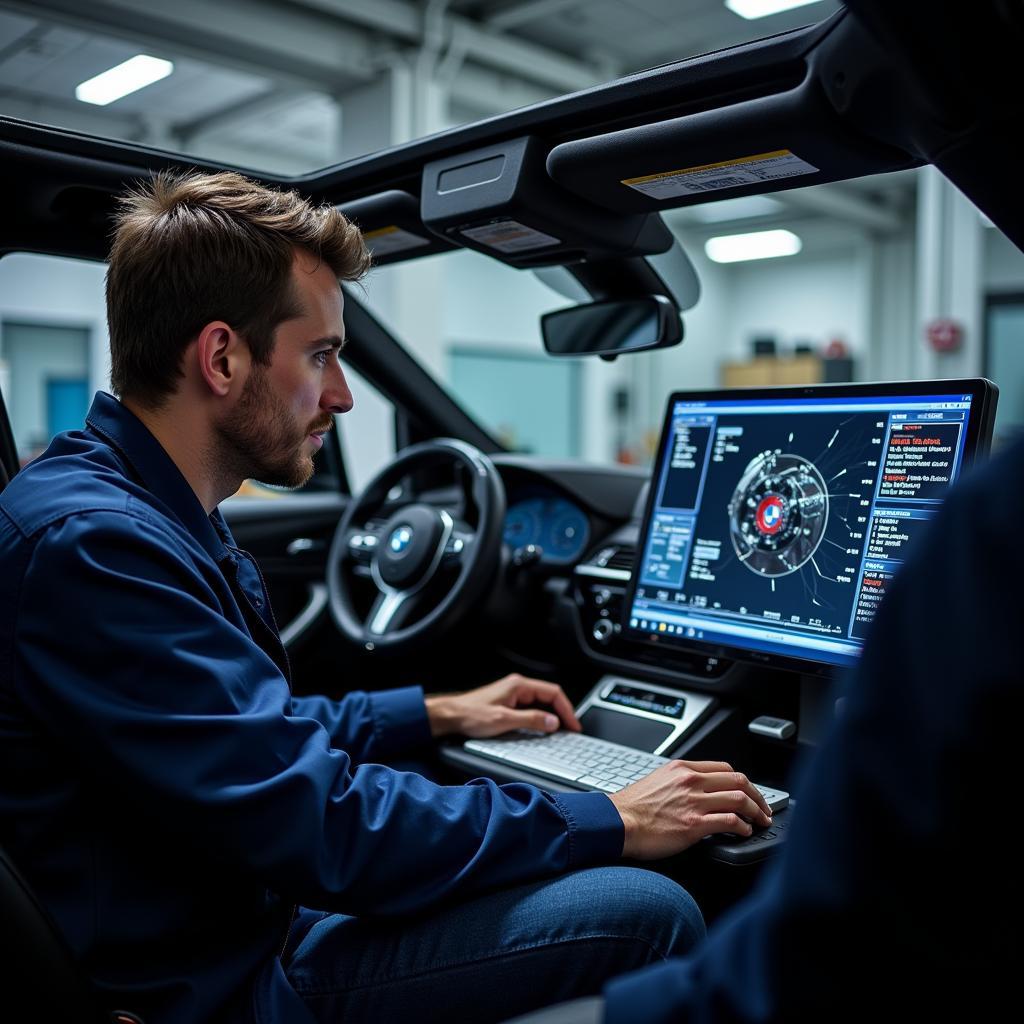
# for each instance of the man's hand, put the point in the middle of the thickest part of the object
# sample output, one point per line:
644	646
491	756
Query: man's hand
501	706
684	801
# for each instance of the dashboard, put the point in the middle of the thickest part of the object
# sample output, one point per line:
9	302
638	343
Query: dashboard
545	519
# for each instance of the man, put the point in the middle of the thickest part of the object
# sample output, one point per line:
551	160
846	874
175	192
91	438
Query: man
898	894
167	796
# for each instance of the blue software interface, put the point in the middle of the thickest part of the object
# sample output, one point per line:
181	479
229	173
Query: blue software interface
777	524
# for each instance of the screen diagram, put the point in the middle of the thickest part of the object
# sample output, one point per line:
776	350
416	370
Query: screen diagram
778	513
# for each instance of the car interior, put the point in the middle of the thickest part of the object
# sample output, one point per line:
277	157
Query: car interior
463	557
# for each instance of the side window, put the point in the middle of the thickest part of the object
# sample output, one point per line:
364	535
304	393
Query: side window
53	345
45	368
366	431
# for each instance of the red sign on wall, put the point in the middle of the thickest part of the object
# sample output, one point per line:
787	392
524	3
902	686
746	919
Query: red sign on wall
944	334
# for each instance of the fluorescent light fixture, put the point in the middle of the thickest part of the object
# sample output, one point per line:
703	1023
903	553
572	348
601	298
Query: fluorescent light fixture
132	75
735	209
757	245
751	9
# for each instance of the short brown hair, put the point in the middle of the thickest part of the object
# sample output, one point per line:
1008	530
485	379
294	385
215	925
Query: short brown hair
191	248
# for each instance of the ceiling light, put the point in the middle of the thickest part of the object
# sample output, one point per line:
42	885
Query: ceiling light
119	81
735	209
762	8
758	245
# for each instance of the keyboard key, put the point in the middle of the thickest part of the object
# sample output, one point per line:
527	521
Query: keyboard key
550	768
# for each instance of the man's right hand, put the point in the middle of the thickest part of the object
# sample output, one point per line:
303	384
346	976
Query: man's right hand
682	802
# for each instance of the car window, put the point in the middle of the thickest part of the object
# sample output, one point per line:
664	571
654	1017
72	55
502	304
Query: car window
848	306
474	324
366	431
53	345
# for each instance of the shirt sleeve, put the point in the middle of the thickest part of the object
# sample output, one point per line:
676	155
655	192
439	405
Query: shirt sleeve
370	726
889	900
188	724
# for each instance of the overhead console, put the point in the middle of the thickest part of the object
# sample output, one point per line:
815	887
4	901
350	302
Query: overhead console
499	200
391	227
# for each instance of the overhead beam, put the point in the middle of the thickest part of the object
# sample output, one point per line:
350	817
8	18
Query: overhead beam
228	117
21	42
484	92
404	20
532	10
294	47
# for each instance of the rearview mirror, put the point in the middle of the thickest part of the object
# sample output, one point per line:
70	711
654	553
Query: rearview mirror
612	327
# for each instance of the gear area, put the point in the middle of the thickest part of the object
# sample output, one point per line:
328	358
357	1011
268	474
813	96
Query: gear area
778	513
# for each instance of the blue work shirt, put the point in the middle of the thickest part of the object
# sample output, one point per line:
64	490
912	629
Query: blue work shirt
163	791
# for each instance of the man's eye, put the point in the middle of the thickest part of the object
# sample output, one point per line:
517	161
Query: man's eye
322	357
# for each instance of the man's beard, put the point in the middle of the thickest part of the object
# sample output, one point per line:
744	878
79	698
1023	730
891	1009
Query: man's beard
260	440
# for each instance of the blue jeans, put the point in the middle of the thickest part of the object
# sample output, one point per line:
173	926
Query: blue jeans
495	956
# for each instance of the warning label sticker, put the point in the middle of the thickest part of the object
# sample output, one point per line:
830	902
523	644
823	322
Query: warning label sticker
510	236
748	170
385	241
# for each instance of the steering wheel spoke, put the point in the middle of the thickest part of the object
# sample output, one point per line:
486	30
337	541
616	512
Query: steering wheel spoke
388	612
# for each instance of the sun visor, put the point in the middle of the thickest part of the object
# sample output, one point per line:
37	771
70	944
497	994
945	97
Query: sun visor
391	225
785	140
500	201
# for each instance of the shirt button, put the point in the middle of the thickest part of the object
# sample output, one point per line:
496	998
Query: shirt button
258	602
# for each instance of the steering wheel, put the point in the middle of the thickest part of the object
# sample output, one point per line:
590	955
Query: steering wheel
416	545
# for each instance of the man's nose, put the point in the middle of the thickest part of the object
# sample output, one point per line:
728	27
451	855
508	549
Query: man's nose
337	397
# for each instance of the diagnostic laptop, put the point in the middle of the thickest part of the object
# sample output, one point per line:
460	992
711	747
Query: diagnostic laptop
775	520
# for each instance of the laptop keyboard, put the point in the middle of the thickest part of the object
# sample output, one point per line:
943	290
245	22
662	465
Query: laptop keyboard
584	761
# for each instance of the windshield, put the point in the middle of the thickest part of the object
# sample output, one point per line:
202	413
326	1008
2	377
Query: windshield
847	307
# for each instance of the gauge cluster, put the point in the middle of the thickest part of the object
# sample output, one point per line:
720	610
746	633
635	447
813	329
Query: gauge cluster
558	527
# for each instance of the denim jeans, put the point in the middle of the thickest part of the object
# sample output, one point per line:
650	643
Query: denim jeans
494	956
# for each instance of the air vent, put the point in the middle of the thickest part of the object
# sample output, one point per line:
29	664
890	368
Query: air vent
623	558
612	562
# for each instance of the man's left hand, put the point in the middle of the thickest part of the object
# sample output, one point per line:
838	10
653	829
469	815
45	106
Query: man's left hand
501	706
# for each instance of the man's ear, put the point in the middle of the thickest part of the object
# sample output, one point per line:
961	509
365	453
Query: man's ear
223	357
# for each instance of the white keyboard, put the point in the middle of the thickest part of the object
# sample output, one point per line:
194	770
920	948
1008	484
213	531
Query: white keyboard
584	761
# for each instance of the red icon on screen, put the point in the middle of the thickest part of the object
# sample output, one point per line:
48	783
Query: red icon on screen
769	514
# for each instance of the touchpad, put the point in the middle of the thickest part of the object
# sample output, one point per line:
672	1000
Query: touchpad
629	730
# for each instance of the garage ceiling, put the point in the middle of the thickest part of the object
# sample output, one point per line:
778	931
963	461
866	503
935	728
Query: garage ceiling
268	85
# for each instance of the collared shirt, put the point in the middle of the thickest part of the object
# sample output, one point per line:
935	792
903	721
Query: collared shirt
166	795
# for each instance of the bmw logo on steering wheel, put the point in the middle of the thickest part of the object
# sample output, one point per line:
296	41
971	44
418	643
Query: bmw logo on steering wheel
400	539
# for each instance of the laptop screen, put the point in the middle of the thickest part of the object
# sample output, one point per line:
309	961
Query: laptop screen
777	517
